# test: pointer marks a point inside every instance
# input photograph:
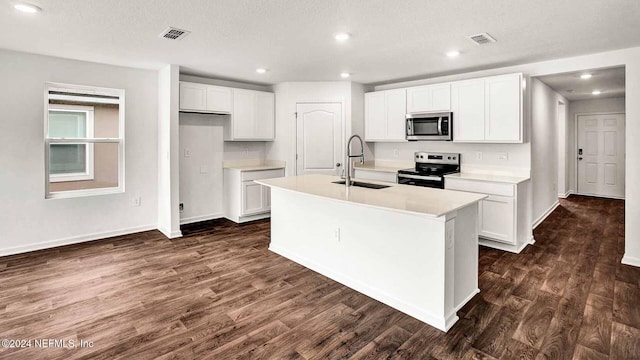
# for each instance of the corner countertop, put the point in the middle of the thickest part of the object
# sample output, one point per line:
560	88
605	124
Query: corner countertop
253	165
409	199
488	177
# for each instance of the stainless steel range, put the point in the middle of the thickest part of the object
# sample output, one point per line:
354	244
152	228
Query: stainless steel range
430	169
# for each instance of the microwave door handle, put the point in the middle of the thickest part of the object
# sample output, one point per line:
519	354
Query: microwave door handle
440	125
409	128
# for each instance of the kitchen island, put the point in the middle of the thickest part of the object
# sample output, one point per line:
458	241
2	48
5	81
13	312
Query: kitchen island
412	248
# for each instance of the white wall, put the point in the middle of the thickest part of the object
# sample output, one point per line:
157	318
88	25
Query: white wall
584	107
562	124
357	116
544	148
287	96
27	220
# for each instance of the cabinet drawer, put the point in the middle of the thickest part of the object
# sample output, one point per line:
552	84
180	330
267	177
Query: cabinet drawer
262	174
482	187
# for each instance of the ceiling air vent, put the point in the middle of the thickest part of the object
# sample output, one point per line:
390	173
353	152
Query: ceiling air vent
172	33
482	39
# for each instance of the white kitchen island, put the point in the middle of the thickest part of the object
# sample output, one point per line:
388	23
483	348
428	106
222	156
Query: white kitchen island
412	248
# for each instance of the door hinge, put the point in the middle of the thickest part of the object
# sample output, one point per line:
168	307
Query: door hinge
296	113
296	156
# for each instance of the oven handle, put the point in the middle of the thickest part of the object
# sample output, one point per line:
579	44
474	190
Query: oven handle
418	177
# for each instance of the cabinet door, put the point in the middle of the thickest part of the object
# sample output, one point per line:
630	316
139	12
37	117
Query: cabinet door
496	218
252	198
244	107
503	115
395	114
193	97
265	116
374	116
467	104
426	98
218	99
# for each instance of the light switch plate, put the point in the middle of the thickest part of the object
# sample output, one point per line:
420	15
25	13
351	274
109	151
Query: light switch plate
187	152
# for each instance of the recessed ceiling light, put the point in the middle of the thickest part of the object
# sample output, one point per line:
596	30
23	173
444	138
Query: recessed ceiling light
27	8
261	70
345	75
585	76
596	92
342	36
453	53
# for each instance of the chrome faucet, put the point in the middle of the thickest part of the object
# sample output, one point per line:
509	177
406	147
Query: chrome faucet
347	178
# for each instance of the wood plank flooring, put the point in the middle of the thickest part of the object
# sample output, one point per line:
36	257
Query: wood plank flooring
218	293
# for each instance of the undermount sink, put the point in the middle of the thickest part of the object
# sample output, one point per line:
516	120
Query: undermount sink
363	184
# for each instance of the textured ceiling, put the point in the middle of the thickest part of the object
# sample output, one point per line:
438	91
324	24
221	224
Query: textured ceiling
609	81
392	39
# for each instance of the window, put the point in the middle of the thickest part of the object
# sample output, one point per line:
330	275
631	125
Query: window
84	141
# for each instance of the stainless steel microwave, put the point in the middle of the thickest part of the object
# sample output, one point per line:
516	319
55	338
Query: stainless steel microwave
430	126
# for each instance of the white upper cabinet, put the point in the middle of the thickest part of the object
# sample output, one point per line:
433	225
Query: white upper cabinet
427	98
219	99
384	115
253	116
467	104
193	97
488	109
204	98
503	110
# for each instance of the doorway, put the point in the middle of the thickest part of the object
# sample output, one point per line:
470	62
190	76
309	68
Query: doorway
319	134
601	154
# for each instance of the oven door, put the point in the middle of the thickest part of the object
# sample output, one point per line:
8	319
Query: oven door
424	181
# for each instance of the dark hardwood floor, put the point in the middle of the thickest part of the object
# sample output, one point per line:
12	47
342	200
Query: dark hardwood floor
218	293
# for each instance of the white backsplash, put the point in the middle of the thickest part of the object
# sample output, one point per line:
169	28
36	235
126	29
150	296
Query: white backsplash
499	159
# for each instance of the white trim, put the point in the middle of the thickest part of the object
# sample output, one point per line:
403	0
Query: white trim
546	213
466	300
169	234
504	247
74	240
195	219
440	322
565	195
630	260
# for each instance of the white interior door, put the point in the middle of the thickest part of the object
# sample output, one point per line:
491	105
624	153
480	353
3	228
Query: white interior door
601	155
319	138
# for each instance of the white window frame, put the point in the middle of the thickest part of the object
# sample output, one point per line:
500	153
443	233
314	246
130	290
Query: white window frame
89	174
109	96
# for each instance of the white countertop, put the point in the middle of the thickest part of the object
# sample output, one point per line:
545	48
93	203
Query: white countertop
253	165
488	177
402	198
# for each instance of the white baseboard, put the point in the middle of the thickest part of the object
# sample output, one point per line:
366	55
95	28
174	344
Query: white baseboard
440	322
195	219
504	247
565	195
73	240
170	234
546	213
630	260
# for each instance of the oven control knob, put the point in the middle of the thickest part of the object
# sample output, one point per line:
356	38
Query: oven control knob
449	157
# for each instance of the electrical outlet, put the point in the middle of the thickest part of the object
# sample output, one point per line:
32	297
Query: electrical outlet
478	155
181	207
204	169
503	156
396	153
246	151
187	152
136	201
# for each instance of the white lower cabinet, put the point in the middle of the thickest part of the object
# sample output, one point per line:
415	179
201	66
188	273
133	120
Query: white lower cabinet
246	200
503	217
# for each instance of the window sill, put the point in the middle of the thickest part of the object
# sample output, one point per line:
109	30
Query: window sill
83	193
